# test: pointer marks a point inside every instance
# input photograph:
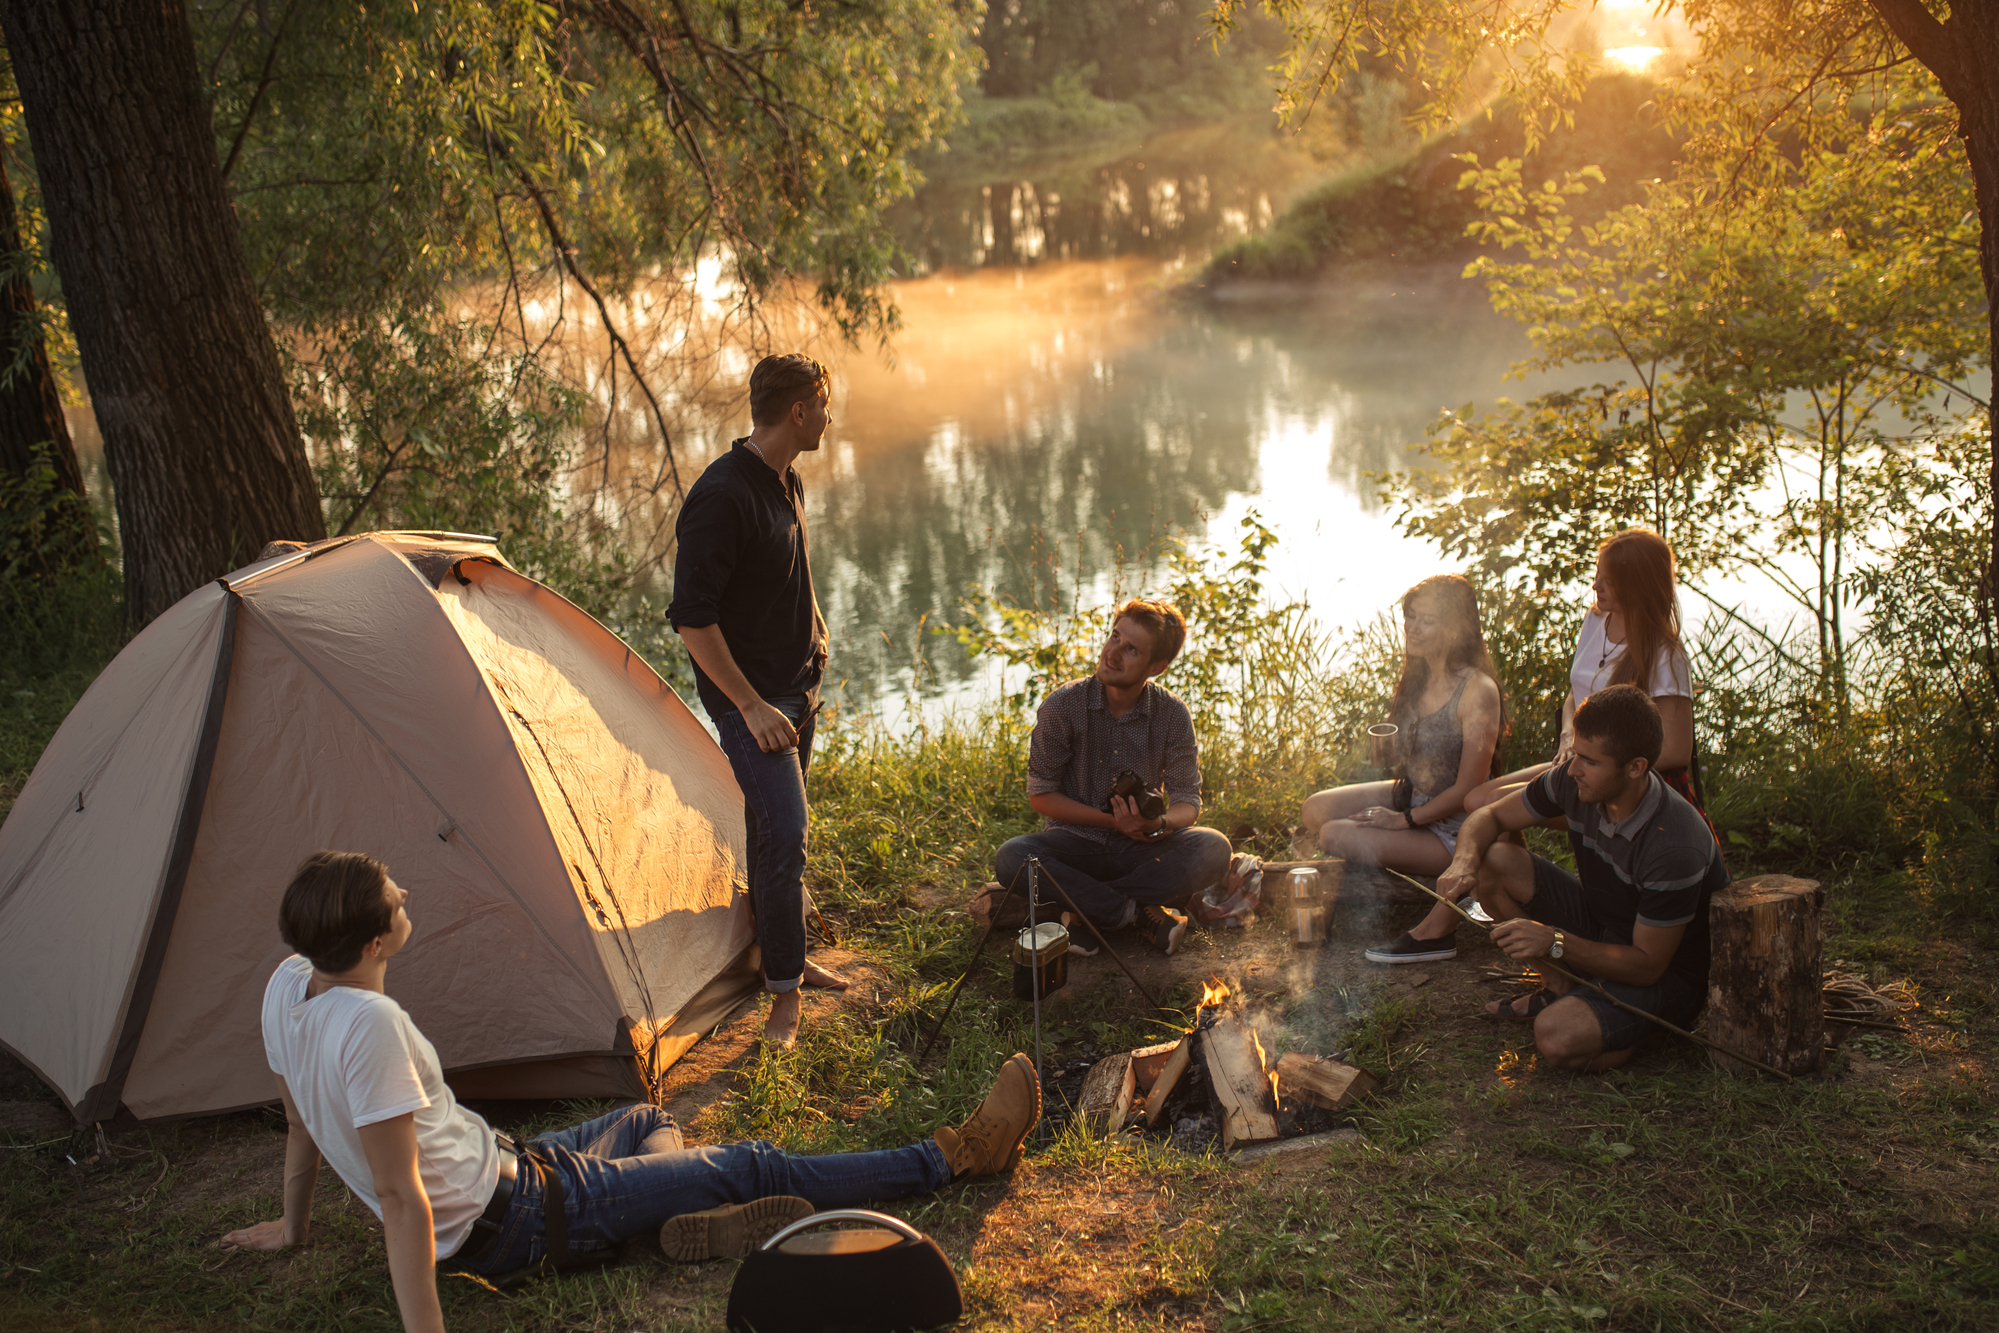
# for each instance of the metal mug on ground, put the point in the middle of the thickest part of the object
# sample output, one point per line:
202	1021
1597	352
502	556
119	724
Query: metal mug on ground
1381	744
1043	948
1306	908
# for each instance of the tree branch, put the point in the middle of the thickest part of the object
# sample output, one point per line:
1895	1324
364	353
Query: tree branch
567	253
1928	40
257	98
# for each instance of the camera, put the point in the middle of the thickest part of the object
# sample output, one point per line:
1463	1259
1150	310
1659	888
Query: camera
1129	785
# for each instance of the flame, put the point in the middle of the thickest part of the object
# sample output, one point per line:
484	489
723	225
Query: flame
1213	991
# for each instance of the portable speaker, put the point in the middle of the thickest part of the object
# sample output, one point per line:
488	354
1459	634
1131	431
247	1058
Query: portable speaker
886	1278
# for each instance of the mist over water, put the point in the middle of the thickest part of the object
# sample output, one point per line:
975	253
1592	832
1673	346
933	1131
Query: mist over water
1040	425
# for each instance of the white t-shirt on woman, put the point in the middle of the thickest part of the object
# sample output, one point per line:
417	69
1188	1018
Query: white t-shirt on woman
1597	660
353	1058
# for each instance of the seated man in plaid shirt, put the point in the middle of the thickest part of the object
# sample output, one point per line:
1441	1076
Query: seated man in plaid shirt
1118	865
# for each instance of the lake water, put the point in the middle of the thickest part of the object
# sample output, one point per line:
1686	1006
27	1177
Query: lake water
1053	407
1071	414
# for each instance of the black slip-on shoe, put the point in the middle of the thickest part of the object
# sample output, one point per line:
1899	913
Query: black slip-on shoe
1409	949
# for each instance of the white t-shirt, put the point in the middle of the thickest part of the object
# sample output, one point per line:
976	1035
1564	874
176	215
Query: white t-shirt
353	1058
1597	660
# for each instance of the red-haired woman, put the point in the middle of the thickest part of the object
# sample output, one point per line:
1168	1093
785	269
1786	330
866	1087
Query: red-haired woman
1630	637
1448	708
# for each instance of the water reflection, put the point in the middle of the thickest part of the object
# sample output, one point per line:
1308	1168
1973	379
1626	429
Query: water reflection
1179	194
1081	404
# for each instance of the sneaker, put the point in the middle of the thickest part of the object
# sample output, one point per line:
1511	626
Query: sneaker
990	1141
1163	927
1409	949
731	1231
1082	940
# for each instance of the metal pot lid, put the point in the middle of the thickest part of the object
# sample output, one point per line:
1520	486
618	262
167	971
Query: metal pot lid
1040	939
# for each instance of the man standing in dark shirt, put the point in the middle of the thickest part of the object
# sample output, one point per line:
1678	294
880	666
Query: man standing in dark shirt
1634	917
743	604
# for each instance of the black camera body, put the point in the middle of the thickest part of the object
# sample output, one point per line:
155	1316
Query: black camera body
1131	786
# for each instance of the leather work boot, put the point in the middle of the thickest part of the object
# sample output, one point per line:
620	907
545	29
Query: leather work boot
990	1141
731	1231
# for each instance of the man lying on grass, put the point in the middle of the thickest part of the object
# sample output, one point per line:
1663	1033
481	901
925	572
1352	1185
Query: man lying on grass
1633	918
361	1084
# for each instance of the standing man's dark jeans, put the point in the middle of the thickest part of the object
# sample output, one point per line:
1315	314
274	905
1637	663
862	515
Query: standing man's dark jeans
1105	878
774	815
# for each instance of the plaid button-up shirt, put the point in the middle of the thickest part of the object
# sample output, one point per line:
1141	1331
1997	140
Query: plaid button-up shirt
1079	749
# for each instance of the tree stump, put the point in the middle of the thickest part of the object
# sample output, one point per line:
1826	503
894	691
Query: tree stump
1763	989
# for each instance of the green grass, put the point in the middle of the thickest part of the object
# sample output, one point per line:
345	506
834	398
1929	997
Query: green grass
1483	1193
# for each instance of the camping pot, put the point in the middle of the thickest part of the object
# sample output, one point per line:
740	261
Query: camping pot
1308	913
1042	949
1381	744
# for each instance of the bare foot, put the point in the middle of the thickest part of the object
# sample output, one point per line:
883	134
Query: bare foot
781	1028
816	975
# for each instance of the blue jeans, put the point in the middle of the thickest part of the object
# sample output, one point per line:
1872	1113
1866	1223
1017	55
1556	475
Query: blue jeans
774	815
1104	878
626	1173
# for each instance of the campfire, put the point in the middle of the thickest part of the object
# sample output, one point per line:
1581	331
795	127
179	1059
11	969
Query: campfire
1219	1070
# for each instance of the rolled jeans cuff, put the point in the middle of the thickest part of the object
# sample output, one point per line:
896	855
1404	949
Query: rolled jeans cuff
780	987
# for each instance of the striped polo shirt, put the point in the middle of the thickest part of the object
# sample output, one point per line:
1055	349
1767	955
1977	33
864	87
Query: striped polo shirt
1658	866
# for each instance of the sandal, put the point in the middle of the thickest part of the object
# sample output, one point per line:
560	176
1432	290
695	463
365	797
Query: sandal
1536	1002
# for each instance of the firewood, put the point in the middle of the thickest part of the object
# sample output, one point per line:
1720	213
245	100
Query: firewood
1147	1061
1106	1095
1242	1084
1764	983
1321	1080
1169	1078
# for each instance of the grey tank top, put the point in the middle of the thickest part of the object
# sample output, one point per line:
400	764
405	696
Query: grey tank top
1437	745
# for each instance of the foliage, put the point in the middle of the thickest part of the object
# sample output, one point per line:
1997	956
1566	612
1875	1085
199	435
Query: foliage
1400	201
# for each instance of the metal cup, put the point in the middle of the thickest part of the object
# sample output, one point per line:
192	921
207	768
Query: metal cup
1381	739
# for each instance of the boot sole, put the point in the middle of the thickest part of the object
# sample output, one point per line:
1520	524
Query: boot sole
731	1231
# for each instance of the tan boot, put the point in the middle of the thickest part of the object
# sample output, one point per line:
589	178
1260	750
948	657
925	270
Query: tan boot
730	1231
990	1141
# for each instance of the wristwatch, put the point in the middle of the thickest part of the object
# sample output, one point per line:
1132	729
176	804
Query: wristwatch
1555	949
1159	832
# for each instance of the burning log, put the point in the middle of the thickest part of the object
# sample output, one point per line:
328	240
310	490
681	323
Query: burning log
1107	1093
1148	1061
1320	1080
1237	1074
1241	1082
1176	1064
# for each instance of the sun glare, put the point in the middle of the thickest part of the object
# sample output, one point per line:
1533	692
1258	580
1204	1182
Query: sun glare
1634	57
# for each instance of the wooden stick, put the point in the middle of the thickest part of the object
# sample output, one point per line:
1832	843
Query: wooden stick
1552	965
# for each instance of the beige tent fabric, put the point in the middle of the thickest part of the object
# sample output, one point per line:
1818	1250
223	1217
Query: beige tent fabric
641	801
492	744
78	888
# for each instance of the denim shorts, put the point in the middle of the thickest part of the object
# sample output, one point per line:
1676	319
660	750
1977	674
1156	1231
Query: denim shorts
1559	901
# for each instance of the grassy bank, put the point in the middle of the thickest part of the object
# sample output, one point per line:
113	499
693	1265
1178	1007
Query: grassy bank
1408	209
1480	1191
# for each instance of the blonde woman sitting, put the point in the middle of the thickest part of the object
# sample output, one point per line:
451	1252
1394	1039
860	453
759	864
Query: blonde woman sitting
1450	716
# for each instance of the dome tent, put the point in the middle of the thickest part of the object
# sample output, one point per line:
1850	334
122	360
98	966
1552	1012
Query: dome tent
571	836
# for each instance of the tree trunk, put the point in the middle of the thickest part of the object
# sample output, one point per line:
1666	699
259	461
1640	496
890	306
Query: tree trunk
1765	981
33	431
198	429
1963	52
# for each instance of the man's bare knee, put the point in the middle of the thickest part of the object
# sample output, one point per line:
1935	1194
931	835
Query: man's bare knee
1567	1034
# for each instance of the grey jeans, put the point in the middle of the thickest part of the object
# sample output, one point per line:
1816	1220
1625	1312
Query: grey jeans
1104	877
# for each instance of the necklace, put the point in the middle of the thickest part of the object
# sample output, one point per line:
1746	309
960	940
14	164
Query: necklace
750	441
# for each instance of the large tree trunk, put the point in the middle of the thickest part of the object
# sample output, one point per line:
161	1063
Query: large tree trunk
62	534
1963	52
198	431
